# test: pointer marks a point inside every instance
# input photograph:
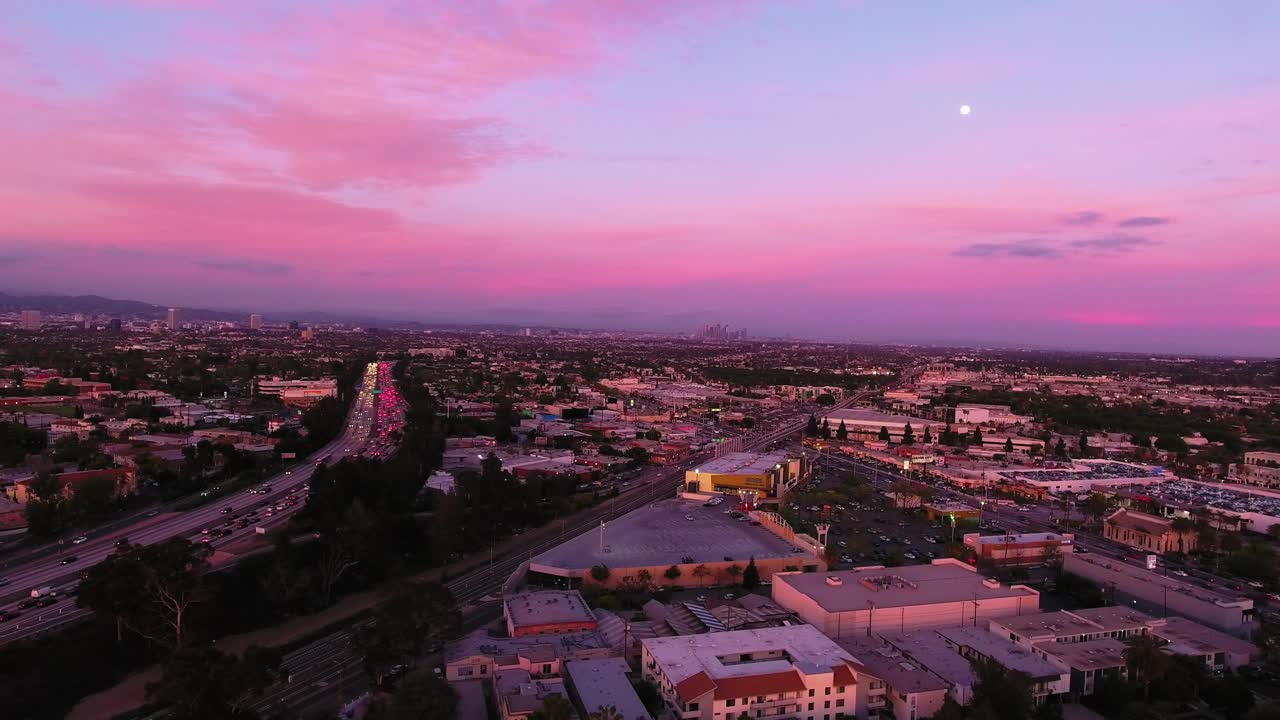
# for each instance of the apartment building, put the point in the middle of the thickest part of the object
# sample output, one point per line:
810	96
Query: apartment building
780	672
1259	468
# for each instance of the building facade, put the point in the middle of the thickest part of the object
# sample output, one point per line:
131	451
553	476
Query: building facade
1147	533
1259	468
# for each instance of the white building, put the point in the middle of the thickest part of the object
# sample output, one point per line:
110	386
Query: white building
786	672
255	322
321	387
1258	468
999	415
946	593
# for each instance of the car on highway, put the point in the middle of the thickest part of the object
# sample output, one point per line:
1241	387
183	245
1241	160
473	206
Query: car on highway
121	541
227	510
9	615
68	560
79	540
4	581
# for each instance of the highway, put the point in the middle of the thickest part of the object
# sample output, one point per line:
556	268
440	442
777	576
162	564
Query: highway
373	418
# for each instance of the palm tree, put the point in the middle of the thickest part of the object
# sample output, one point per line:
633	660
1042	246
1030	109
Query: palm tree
734	571
606	712
1183	526
1147	660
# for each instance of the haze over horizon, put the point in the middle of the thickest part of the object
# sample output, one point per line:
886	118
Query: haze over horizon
796	169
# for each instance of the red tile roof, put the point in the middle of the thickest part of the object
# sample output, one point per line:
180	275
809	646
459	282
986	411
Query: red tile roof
844	675
694	687
767	684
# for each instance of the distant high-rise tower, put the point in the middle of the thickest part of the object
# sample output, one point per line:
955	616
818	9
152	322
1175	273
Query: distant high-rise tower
114	325
255	322
30	319
293	324
528	332
172	321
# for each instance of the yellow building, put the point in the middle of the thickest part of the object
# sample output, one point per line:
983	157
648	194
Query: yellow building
768	475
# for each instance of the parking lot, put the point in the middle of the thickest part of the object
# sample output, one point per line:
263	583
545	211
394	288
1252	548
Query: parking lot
865	527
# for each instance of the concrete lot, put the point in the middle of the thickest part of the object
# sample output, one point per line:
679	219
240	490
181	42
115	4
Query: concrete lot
662	534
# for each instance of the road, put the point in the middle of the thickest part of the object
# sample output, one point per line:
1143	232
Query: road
373	419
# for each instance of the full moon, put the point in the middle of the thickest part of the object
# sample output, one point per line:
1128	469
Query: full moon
965	109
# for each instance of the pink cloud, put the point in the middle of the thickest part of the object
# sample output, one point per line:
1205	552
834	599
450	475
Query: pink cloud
1109	317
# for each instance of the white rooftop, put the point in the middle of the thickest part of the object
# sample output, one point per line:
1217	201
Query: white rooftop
687	655
944	581
548	606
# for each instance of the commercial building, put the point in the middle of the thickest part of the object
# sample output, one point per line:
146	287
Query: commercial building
1230	613
30	320
595	684
1019	548
1082	476
551	612
764	475
1258	468
702	543
946	593
123	481
948	512
861	423
1148	533
977	414
788	672
173	319
255	322
316	388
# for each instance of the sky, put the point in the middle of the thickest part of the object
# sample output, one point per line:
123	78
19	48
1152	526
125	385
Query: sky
796	168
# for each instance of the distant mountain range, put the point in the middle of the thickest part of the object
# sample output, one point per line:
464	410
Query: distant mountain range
134	309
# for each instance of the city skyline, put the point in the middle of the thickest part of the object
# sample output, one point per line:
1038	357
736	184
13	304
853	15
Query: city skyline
801	169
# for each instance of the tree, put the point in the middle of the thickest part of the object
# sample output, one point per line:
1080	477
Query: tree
201	683
1096	505
672	573
1000	694
826	428
1008	445
419	694
600	573
1084	443
977	437
1183	526
46	509
842	432
606	712
1269	711
638	455
811	429
1060	450
734	572
149	589
908	435
884	434
644	581
751	576
928	436
700	572
554	707
1147	661
420	616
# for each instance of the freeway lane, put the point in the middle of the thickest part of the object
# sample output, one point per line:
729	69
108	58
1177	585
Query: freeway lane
50	571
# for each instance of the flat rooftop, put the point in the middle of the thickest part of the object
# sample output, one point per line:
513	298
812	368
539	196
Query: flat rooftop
548	606
742	463
931	650
1050	624
1016	538
602	682
660	535
1186	637
891	665
1155	580
1097	654
865	416
1115	618
1002	650
538	648
945	581
687	655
